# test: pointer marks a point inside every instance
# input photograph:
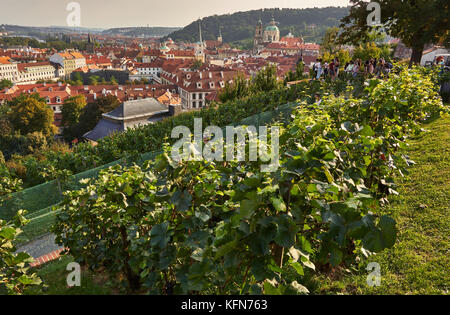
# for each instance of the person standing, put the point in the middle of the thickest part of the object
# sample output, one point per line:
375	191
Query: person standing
318	67
337	64
355	69
332	69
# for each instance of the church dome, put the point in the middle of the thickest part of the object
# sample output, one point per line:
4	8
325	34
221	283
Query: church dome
272	28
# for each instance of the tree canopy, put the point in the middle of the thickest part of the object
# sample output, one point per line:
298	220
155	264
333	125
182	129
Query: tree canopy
30	113
416	22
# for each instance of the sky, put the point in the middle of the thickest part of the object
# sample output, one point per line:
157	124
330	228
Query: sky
123	13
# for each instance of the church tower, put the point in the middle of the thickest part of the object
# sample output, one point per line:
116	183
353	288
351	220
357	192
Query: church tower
258	35
220	38
200	46
90	47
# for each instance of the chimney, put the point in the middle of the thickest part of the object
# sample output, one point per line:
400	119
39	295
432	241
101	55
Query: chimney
95	96
201	75
210	75
221	74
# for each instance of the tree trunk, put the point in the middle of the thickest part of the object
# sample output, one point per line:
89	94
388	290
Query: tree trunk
416	55
132	278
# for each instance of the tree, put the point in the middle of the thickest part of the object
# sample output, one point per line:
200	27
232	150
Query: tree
238	89
329	42
77	77
113	80
91	115
416	22
5	84
367	51
265	80
93	80
197	64
30	113
72	109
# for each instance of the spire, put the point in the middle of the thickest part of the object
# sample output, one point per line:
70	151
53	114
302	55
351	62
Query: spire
200	30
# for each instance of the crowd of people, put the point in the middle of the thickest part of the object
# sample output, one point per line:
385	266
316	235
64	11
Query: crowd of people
372	67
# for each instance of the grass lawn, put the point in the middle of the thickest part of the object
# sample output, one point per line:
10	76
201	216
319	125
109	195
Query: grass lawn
418	264
54	276
420	261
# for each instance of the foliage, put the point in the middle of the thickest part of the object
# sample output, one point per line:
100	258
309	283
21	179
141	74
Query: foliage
415	22
265	80
299	73
238	89
71	112
8	182
228	228
30	114
15	276
329	41
422	218
5	84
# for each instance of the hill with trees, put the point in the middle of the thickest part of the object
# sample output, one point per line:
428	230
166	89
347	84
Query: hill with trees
240	27
141	31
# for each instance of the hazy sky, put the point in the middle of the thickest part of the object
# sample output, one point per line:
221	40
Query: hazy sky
120	13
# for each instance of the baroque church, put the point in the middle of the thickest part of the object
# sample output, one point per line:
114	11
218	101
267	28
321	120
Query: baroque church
271	34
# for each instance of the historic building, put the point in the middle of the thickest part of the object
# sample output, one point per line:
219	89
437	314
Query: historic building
258	34
271	33
264	36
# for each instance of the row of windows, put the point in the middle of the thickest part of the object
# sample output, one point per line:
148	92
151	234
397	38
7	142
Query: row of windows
194	104
200	96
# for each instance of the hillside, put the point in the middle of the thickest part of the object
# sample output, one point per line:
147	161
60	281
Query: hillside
44	32
309	23
141	31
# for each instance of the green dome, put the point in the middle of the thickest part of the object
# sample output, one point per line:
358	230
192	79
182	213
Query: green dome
272	28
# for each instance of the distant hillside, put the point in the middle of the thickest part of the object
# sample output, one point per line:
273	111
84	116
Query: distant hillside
44	32
141	31
240	26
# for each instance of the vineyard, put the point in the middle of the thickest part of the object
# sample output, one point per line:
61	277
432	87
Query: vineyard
203	227
200	227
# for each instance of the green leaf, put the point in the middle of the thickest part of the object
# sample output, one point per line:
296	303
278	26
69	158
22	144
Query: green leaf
367	131
286	231
247	208
159	236
278	204
181	200
300	289
298	268
8	233
388	231
225	249
335	256
271	289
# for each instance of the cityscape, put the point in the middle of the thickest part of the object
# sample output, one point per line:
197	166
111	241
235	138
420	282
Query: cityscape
95	198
